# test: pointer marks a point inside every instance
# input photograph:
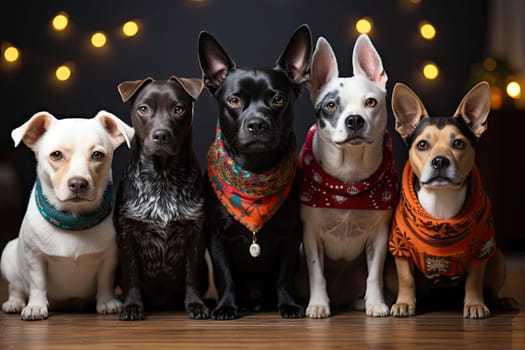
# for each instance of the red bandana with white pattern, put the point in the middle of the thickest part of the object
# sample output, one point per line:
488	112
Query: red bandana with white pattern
319	189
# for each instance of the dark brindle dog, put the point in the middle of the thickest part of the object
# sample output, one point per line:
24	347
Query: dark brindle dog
159	213
254	220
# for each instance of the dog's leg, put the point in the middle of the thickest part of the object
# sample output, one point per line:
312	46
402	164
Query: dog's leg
10	273
133	309
36	308
474	304
226	307
375	258
286	304
195	307
106	301
493	281
406	294
319	304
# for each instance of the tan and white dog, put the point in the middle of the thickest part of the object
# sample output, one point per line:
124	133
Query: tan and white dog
442	232
348	181
66	248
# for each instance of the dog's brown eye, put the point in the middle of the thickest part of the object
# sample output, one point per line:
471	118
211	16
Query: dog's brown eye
234	102
97	155
371	102
458	144
143	110
56	155
330	106
179	109
422	145
278	100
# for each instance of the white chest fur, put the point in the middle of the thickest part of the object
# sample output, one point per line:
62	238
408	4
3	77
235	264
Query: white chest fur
442	204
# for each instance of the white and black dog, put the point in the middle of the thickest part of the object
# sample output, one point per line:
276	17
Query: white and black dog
349	178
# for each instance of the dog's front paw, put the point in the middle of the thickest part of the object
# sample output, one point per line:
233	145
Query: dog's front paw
377	310
111	306
475	311
34	313
132	312
225	312
403	310
291	311
197	311
318	311
13	305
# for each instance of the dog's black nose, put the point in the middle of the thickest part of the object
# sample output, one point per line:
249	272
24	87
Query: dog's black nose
257	126
161	136
440	163
77	185
354	122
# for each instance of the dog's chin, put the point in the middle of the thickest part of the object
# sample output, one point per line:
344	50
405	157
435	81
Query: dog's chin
160	151
255	147
354	141
77	204
442	183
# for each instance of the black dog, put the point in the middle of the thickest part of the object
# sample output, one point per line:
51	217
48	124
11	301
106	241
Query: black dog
160	213
254	240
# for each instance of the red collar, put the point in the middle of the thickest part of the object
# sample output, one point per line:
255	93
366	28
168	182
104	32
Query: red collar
319	189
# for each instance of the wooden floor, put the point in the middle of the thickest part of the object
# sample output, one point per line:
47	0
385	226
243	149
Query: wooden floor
444	330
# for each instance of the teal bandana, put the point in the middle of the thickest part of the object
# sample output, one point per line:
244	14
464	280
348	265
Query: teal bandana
67	222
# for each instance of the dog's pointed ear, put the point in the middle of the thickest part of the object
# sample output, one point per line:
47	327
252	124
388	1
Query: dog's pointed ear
324	67
367	62
32	130
295	59
408	109
474	109
214	61
192	86
128	89
119	131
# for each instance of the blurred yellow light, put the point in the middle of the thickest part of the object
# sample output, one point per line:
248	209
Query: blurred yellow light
60	21
364	25
427	31
130	28
496	100
514	90
11	54
63	73
430	71
489	64
98	39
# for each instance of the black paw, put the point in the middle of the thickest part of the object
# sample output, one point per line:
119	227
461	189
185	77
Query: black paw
291	311
197	311
132	312
225	312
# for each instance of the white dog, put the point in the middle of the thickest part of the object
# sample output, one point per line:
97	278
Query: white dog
66	248
349	179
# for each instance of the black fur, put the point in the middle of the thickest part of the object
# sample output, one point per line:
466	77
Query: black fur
160	214
267	280
440	123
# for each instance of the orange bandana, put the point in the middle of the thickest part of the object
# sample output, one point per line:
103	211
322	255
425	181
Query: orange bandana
443	247
250	198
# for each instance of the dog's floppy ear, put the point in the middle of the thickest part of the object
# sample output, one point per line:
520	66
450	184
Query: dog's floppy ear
32	130
475	107
118	130
128	89
214	61
295	59
191	85
367	62
408	109
324	67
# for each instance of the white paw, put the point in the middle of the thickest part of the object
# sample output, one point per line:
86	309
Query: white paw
111	306
34	312
377	310
13	305
318	311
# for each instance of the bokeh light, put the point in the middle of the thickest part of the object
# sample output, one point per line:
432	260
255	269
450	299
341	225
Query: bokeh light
514	89
496	98
63	73
430	71
11	54
60	21
364	25
427	31
98	39
130	28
